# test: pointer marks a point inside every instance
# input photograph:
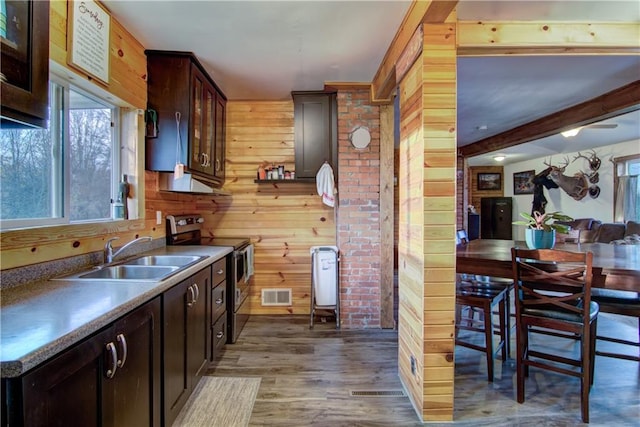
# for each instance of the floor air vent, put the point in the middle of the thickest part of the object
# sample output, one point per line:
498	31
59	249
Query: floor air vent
276	297
378	393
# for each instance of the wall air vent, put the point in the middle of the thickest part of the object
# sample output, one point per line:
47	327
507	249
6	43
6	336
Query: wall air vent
276	297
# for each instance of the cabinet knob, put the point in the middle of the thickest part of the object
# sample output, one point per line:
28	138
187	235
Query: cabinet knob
220	272
220	334
219	301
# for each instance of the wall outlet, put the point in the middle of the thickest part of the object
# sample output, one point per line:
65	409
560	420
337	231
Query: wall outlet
159	217
413	365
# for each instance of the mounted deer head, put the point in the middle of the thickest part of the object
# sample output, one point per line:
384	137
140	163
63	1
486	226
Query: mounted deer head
575	186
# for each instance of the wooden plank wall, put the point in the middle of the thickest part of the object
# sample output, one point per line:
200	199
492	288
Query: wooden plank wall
410	236
283	220
439	94
128	63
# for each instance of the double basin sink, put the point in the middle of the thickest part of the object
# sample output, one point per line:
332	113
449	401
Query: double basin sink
150	268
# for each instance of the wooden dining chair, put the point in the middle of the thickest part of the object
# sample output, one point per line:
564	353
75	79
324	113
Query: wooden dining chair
553	291
490	282
472	296
623	303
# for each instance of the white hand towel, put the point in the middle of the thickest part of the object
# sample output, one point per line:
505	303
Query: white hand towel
325	185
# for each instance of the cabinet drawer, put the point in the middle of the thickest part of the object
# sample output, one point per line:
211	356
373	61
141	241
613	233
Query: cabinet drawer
218	301
219	271
219	336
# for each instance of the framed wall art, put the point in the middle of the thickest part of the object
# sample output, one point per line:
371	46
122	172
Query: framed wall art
489	181
88	27
523	182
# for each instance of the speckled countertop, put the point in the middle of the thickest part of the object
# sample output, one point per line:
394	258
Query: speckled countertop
39	320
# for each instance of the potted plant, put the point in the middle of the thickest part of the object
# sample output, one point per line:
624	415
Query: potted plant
541	232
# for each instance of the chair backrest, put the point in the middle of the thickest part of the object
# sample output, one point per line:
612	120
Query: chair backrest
552	279
461	237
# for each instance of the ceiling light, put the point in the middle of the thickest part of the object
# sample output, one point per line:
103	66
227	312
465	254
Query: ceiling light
571	132
499	157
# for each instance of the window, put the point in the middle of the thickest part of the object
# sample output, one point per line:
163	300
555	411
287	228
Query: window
627	186
65	173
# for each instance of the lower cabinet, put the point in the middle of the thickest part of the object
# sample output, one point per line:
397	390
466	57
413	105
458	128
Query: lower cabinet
111	379
218	323
185	337
138	371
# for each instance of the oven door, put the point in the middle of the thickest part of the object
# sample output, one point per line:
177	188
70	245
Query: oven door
240	266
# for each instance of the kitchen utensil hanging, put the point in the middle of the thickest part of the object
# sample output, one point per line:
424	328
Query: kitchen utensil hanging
178	171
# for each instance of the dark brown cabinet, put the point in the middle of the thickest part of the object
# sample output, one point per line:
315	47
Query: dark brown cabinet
185	339
315	131
110	379
25	64
218	322
185	98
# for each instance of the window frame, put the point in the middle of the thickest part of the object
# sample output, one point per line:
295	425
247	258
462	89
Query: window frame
620	168
61	181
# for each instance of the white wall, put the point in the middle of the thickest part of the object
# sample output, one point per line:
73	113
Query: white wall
557	200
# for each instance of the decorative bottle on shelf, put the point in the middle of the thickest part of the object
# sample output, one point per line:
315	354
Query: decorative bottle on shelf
121	202
262	174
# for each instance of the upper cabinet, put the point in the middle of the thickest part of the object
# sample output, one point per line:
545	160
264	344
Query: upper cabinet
190	112
315	131
25	63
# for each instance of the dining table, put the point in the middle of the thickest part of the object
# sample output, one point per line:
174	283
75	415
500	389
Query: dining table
614	266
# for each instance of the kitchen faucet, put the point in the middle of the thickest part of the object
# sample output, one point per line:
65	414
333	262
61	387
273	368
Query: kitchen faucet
109	255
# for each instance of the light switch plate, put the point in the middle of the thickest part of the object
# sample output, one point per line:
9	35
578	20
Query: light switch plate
159	217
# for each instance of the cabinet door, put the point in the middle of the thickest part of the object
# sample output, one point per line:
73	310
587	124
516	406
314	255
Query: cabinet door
314	132
202	122
220	137
25	63
132	397
185	340
176	381
66	391
198	332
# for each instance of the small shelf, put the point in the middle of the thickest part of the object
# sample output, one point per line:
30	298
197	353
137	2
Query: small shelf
284	181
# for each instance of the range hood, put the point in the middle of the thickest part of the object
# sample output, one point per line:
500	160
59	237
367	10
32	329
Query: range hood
188	183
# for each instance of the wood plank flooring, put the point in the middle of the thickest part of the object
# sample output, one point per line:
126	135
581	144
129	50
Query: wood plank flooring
307	376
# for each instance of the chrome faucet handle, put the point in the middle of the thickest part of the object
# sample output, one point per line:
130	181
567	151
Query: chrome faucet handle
108	250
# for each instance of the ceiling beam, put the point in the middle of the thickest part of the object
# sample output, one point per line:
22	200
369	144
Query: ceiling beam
435	11
548	38
611	104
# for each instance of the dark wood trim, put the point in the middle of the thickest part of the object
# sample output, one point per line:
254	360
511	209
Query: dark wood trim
619	101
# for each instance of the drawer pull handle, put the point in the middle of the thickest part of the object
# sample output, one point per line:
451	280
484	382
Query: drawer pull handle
123	343
219	301
195	285
111	348
193	296
220	271
219	334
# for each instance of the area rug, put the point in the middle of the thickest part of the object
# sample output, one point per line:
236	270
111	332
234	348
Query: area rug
220	402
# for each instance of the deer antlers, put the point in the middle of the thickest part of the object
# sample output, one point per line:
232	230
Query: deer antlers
560	168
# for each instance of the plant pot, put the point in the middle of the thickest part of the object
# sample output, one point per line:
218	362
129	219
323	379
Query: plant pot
540	239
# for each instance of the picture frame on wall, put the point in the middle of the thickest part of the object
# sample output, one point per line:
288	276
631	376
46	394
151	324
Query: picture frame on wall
523	182
489	181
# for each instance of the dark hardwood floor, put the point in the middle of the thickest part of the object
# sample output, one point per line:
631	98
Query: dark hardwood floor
308	376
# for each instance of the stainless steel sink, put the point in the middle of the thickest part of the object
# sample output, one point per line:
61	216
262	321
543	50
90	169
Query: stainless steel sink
148	268
130	272
165	260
